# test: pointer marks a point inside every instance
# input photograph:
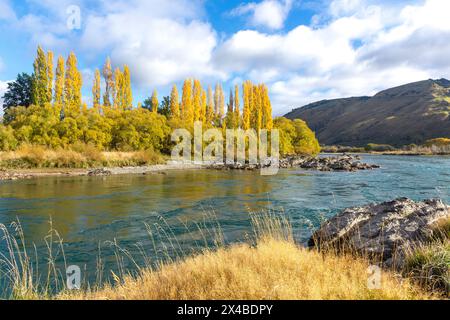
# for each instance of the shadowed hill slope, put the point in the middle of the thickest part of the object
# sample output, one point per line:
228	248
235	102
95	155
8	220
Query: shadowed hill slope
412	113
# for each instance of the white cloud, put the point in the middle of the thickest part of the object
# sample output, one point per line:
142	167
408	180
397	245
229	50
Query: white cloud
160	45
355	47
340	8
361	49
6	11
267	13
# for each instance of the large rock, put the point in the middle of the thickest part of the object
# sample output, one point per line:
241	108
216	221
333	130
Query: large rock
383	232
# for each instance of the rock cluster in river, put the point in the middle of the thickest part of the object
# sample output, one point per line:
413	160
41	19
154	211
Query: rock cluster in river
383	232
9	176
339	163
99	172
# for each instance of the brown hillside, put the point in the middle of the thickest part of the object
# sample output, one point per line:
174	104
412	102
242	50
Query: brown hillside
412	113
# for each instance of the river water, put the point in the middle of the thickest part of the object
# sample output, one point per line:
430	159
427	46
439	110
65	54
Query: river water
89	212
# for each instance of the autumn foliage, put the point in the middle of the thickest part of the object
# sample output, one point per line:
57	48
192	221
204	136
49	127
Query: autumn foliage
58	118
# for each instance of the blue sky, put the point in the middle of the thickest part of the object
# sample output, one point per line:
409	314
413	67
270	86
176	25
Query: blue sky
303	50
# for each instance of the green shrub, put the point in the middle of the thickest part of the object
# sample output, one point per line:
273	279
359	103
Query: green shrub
296	137
379	147
429	264
7	139
438	142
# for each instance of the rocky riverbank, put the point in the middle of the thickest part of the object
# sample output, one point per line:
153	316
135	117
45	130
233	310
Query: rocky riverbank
348	163
10	175
383	232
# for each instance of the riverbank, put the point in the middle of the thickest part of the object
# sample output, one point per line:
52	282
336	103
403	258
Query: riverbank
412	150
17	174
340	163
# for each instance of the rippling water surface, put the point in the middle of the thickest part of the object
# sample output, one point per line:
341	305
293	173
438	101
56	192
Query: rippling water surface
87	211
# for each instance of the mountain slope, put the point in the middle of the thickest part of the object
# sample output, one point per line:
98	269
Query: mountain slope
412	113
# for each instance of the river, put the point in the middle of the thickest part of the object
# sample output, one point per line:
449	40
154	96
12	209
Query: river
89	212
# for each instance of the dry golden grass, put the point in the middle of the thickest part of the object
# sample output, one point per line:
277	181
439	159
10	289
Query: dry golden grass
274	269
77	156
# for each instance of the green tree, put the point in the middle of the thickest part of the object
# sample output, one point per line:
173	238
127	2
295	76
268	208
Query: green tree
18	93
296	137
164	108
8	141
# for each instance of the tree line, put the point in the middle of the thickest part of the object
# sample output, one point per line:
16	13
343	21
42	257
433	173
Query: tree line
46	108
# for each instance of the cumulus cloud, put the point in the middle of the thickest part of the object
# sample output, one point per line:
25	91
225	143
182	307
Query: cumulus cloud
6	11
355	47
267	13
361	48
161	41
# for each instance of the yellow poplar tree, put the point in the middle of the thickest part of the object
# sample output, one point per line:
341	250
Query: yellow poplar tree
73	84
267	109
40	79
59	82
155	102
175	103
237	115
197	99
127	91
96	89
219	101
118	101
210	106
203	115
187	110
256	108
109	81
50	76
246	113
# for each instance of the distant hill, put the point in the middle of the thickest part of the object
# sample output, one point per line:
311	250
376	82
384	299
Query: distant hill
412	113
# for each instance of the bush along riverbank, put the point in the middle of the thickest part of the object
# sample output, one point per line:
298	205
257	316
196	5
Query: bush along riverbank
438	146
271	265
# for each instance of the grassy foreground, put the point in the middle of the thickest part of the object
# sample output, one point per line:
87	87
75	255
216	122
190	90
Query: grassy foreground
274	269
77	156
